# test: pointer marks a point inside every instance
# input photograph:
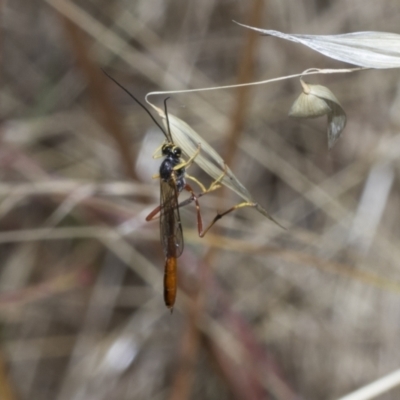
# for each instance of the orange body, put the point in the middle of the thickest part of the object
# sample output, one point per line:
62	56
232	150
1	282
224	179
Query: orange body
170	282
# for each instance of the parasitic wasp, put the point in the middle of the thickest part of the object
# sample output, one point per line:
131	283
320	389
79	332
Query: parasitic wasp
172	181
172	174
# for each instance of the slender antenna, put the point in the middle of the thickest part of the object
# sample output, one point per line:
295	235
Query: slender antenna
140	104
166	115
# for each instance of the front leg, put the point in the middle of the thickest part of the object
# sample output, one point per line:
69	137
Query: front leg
188	163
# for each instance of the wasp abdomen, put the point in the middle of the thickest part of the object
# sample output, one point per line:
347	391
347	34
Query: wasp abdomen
170	282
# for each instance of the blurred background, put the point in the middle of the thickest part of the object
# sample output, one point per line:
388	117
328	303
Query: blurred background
311	312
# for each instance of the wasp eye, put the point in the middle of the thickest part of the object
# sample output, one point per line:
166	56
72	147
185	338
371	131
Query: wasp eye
177	151
165	149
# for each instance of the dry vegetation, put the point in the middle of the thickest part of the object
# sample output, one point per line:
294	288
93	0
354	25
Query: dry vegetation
308	313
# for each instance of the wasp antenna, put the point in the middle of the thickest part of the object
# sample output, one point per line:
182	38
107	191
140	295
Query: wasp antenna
138	102
166	116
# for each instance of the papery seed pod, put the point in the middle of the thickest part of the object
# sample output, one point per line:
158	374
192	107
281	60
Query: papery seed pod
318	100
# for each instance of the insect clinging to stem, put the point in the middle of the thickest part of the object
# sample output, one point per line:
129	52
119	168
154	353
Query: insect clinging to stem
172	174
172	182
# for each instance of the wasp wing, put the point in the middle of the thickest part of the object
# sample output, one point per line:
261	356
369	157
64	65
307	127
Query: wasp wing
170	221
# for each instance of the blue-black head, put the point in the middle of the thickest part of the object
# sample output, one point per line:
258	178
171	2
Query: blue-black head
169	149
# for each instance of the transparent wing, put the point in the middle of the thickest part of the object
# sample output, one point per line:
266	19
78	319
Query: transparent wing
170	221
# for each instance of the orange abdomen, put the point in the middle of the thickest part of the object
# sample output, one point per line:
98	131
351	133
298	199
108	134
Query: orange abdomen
170	282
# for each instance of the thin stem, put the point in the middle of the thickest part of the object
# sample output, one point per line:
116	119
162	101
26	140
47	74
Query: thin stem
311	71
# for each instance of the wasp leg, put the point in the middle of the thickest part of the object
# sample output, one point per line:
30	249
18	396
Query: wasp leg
213	186
157	153
194	198
188	163
217	183
220	215
153	214
192	178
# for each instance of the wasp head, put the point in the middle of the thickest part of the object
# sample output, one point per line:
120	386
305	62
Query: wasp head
170	149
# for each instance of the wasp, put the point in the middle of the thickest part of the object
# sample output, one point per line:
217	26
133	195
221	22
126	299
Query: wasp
172	175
